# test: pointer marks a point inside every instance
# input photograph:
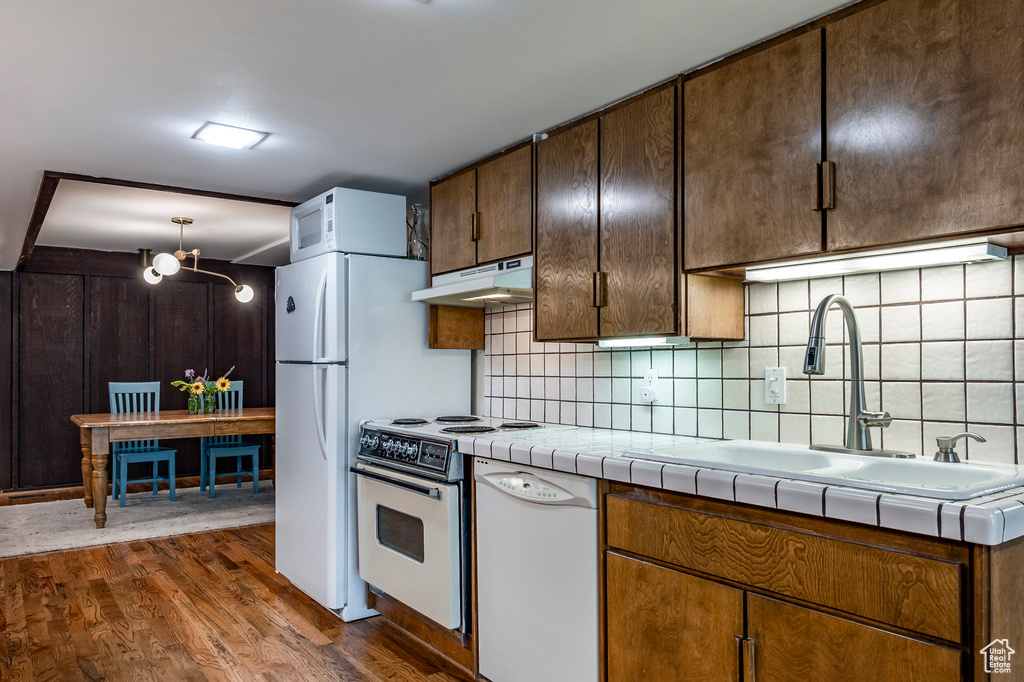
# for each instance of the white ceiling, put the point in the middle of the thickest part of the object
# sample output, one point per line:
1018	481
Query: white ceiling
87	215
373	94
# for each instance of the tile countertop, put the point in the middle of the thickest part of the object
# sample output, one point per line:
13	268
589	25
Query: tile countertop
987	520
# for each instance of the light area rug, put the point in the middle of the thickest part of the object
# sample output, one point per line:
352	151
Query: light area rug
68	524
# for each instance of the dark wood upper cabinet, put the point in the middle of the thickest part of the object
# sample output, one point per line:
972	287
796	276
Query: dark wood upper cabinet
752	142
567	234
924	120
504	203
794	643
484	213
666	625
638	217
606	263
452	214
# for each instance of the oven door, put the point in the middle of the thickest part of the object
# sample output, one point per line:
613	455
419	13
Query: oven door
410	540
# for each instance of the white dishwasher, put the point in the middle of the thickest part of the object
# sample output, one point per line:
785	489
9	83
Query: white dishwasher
536	539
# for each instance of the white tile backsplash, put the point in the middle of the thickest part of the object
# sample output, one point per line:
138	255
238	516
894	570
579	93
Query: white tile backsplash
942	321
942	360
990	318
862	290
794	296
901	323
989	360
942	283
901	286
937	361
989	279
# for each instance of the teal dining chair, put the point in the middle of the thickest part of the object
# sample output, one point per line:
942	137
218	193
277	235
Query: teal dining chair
127	397
213	448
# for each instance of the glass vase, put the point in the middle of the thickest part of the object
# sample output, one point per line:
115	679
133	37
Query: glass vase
195	403
210	403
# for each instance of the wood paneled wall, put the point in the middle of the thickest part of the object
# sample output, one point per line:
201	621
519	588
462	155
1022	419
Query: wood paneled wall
79	319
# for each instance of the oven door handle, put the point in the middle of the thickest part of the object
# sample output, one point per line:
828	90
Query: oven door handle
411	487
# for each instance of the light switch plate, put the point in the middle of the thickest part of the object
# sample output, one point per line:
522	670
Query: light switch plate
775	385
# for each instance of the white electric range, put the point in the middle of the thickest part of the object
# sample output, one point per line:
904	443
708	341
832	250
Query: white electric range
413	510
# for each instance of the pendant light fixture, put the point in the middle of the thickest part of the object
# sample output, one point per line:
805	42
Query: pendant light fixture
167	264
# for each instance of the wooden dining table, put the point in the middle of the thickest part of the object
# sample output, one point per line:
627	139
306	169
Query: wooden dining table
98	431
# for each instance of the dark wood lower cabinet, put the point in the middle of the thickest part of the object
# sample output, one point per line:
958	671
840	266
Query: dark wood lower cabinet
666	625
705	590
793	643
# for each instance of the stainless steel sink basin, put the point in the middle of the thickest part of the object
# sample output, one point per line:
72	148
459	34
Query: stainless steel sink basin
914	477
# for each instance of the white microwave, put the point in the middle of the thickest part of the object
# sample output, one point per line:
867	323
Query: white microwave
349	220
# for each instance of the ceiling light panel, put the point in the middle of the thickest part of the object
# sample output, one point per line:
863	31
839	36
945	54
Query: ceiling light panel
229	136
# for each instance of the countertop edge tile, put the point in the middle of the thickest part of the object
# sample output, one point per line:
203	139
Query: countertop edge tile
852	504
803	497
988	520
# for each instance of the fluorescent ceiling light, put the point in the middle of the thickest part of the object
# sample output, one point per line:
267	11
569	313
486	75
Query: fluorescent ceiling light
644	342
905	258
229	136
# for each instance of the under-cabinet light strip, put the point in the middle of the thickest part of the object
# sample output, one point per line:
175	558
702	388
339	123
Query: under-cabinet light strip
877	261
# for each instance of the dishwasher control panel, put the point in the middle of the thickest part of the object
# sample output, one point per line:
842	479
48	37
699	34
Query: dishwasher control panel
527	488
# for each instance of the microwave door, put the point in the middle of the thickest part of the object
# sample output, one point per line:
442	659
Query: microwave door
308	228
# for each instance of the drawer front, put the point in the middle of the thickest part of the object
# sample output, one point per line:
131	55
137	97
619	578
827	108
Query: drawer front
913	592
793	643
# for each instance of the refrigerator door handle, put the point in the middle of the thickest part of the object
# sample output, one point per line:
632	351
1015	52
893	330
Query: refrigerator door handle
318	408
319	343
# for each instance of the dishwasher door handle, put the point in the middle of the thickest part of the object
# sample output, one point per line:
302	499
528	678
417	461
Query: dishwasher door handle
404	485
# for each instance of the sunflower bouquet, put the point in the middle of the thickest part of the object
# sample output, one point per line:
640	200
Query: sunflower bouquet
202	391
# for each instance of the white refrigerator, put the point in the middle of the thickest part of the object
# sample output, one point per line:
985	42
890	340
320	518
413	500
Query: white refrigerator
350	346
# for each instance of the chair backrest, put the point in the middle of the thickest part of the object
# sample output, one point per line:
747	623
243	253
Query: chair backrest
127	397
230	399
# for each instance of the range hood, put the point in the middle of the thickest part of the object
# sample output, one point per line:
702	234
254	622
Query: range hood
509	281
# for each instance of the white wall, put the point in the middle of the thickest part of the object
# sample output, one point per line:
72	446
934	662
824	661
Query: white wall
940	354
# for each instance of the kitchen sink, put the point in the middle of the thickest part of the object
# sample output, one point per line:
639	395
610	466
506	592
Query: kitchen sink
922	477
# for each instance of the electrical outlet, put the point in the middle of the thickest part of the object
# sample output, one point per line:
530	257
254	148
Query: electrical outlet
775	385
650	376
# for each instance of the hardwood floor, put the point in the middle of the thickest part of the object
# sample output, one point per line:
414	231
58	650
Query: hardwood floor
206	606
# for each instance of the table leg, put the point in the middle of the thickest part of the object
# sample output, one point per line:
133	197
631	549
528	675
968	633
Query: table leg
85	437
100	452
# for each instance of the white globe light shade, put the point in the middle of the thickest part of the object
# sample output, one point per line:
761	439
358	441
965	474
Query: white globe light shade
152	276
166	263
244	293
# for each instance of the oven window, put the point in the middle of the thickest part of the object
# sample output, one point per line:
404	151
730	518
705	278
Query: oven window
400	532
309	229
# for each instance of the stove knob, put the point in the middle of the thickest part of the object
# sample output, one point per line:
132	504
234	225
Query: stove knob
389	446
411	452
375	443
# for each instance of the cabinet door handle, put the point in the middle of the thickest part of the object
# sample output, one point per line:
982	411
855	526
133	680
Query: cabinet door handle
739	655
751	670
476	226
825	181
600	285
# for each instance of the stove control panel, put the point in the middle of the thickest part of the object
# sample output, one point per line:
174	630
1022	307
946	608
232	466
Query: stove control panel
404	450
